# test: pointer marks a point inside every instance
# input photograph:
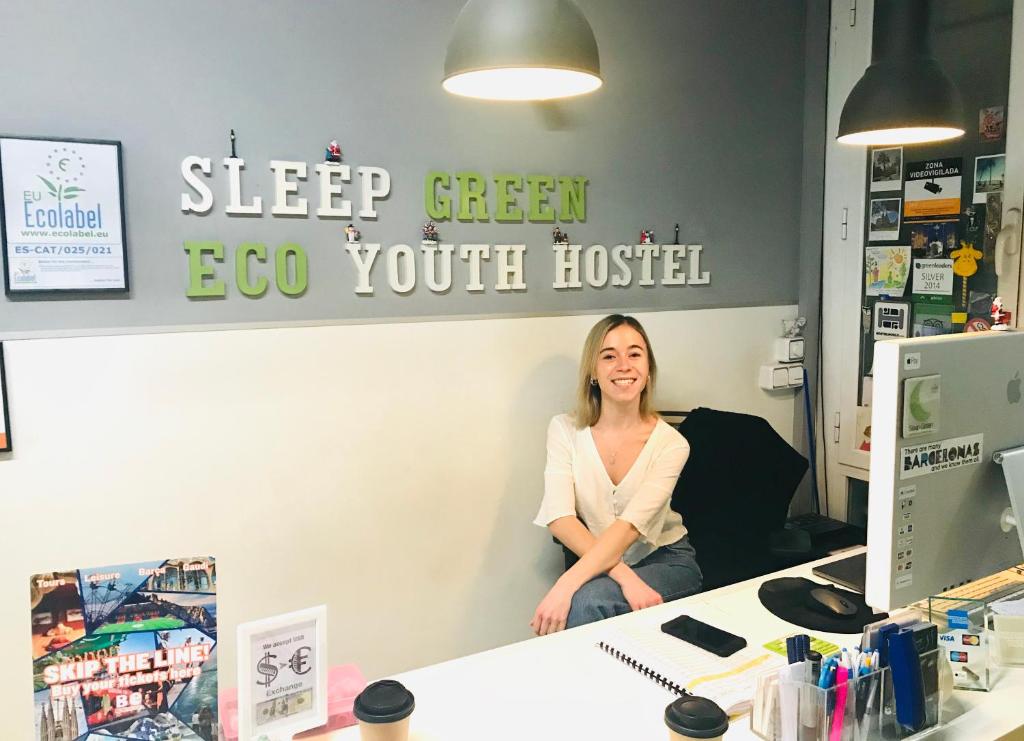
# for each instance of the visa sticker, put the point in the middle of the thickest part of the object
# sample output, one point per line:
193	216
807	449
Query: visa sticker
958	620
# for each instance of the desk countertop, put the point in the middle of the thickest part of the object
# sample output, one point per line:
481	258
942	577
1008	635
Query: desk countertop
562	687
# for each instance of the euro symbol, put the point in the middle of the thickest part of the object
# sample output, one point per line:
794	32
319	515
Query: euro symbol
63	164
267	669
298	662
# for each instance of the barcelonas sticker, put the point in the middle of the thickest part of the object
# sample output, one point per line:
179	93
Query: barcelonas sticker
942	455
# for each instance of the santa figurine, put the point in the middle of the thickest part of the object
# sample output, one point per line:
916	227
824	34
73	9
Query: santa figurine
430	232
1000	317
647	236
352	235
333	152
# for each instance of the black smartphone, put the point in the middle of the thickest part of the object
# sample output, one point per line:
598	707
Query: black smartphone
705	636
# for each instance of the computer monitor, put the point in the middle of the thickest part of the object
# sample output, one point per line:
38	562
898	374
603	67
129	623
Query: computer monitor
937	501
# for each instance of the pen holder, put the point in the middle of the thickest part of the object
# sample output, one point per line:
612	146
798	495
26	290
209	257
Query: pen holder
862	709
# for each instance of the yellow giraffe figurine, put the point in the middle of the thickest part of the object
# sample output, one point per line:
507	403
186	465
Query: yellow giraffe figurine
965	264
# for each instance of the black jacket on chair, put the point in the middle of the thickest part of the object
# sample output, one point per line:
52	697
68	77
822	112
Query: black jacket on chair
734	491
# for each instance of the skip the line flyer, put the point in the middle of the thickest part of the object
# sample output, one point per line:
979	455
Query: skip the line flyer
126	652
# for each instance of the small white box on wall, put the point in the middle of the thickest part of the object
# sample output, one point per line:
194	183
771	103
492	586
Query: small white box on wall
775	377
789	349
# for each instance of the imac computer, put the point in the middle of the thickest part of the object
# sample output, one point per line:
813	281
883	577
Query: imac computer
947	428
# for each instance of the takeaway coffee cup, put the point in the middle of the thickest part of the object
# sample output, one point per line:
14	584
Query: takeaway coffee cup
383	711
692	717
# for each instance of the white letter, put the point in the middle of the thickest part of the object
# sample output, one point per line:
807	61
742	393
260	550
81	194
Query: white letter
206	200
625	276
395	270
567	266
430	268
235	165
672	275
329	189
648	252
510	271
697	278
475	253
363	264
283	187
596	264
369	192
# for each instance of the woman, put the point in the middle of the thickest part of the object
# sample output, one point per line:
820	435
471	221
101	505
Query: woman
611	470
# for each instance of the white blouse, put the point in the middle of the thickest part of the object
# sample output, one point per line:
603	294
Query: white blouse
577	483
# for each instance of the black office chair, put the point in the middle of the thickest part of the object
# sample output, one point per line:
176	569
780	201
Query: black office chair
734	495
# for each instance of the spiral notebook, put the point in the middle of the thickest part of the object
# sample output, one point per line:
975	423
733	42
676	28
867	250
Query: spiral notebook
682	668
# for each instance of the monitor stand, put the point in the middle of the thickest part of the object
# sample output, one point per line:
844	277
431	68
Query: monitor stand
1012	461
846	572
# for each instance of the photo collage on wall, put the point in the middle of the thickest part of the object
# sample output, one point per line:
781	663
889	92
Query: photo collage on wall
930	236
933	212
126	652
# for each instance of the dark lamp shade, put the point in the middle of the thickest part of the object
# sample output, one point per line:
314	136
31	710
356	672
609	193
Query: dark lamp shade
521	50
904	97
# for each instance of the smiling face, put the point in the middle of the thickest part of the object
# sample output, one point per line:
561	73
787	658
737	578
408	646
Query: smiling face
621	367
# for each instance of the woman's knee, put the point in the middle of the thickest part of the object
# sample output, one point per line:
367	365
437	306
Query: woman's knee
598	599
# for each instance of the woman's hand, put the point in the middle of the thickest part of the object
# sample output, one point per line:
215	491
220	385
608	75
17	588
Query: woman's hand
638	594
553	610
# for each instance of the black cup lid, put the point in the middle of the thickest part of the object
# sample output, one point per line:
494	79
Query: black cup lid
384	702
696	717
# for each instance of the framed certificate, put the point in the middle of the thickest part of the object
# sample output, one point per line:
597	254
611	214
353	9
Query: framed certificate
282	674
62	216
5	420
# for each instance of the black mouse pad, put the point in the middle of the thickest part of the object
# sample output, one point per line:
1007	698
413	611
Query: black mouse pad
789	598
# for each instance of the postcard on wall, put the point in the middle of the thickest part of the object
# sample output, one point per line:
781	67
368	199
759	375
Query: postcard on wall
886	270
5	418
933	278
886	169
934	239
989	176
884	220
127	651
932	188
63	215
992	123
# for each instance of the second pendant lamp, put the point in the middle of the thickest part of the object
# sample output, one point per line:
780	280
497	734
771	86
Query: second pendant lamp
904	97
521	50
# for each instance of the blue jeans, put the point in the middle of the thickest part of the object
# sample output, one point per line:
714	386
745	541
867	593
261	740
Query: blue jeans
671	571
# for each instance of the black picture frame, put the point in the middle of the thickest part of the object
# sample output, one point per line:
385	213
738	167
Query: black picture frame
13	291
6	444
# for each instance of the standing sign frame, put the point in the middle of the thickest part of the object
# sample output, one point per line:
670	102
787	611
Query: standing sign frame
5	418
77	247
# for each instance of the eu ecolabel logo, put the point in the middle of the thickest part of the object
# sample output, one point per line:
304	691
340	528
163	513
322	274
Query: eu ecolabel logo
63	170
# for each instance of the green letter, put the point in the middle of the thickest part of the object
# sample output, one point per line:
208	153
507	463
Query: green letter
297	286
198	272
506	208
242	269
439	208
472	187
539	208
573	195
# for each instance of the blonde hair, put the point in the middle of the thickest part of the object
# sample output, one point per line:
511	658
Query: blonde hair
588	395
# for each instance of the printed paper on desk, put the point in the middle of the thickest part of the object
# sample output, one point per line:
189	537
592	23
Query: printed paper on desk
730	681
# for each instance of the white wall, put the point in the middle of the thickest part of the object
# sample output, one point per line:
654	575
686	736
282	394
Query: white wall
391	471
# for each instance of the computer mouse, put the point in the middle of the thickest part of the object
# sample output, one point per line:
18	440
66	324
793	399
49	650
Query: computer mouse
830	603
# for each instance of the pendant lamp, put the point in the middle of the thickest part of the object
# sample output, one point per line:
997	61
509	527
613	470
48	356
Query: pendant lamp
521	50
904	97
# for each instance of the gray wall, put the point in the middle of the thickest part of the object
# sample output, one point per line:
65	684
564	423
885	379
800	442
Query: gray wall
701	121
